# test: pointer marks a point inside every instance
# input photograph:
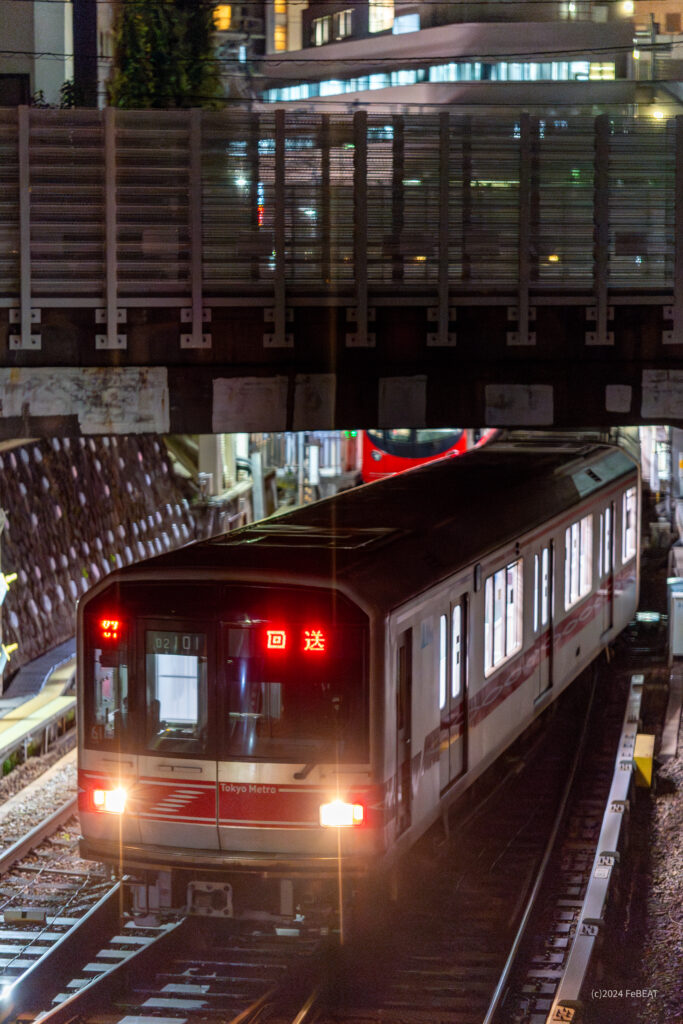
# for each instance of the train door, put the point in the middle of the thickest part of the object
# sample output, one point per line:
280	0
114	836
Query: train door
453	693
177	762
544	562
606	566
404	702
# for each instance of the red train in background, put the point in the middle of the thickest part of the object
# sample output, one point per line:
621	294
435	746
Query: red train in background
386	452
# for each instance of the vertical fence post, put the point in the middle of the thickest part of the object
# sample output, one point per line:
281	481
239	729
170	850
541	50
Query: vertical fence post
279	239
677	332
601	228
24	339
444	225
397	197
325	200
110	340
360	223
197	339
522	336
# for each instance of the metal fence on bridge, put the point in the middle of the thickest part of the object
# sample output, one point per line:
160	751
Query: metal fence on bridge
113	209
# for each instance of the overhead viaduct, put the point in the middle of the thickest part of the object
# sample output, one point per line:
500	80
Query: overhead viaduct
206	272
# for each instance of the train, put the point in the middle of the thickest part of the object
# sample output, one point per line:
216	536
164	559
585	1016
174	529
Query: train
272	718
385	452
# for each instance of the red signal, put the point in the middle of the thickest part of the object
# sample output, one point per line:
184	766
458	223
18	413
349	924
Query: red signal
110	629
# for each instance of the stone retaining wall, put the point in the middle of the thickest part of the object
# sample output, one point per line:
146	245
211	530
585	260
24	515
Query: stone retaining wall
76	509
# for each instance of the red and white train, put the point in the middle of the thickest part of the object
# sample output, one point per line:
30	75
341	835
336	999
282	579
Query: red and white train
297	702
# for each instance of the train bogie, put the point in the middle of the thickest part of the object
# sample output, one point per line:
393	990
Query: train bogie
272	718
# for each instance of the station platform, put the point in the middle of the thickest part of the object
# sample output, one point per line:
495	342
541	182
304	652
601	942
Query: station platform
36	700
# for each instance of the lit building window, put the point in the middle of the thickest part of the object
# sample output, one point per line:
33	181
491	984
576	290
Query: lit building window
280	37
321	30
222	17
406	23
381	15
343	21
280	6
601	72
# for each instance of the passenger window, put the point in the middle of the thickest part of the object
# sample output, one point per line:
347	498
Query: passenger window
443	659
605	551
545	587
177	712
578	560
502	615
630	522
541	589
456	651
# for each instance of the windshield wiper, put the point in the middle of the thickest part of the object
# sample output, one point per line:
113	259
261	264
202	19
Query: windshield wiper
306	770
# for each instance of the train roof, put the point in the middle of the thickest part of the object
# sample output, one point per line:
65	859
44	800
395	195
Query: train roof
386	541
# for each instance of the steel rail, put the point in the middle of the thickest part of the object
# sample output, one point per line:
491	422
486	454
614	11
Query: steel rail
102	991
37	835
540	875
55	967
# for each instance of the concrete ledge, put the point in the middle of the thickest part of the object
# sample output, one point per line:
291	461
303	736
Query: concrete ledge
672	720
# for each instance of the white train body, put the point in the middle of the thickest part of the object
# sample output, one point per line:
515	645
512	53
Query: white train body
371	655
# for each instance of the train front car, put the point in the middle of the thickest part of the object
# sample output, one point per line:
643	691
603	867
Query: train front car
225	744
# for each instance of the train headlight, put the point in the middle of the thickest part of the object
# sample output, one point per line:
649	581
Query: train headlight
339	814
113	801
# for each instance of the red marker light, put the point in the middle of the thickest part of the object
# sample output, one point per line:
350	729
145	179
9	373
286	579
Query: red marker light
110	629
276	639
315	640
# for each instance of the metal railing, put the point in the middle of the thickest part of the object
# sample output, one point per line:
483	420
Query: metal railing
196	209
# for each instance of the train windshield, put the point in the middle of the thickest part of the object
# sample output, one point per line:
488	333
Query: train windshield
415	444
295	693
226	671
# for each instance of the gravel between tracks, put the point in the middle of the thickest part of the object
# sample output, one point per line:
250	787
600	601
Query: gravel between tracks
42	794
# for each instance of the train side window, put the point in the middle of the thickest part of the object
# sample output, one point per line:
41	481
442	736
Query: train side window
537	574
541	589
605	549
456	651
578	560
545	586
502	615
177	711
629	524
443	659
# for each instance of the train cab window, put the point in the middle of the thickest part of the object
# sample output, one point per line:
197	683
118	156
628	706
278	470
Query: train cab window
106	688
502	615
177	712
294	693
578	560
630	523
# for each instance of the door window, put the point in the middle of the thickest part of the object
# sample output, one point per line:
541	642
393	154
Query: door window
177	700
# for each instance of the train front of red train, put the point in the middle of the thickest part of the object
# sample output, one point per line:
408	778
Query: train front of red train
224	748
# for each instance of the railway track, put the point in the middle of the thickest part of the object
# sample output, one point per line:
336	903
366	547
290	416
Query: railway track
443	951
439	950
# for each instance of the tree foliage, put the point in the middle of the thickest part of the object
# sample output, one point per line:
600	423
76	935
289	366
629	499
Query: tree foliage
164	55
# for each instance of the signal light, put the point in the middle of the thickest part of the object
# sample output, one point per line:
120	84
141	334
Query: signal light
110	629
113	801
339	814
